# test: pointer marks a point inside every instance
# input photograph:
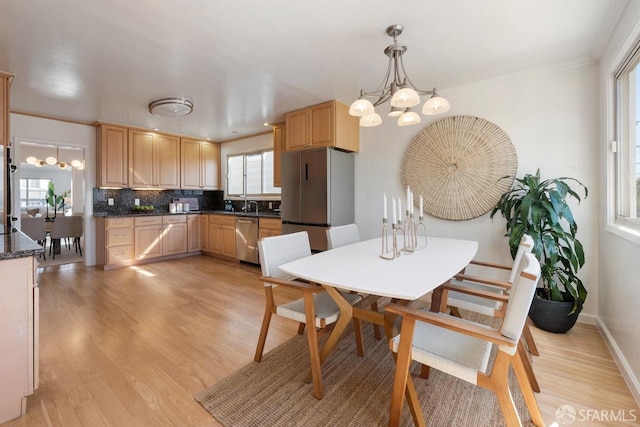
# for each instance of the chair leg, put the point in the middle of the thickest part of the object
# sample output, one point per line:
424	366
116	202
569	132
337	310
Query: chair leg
301	328
314	348
499	383
266	320
528	338
525	387
357	330
527	367
377	330
402	382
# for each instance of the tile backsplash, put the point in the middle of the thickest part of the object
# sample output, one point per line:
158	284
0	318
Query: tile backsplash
124	199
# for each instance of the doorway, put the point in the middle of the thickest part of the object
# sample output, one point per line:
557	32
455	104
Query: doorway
49	183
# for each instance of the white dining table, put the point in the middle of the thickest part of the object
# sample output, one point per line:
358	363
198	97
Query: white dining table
359	268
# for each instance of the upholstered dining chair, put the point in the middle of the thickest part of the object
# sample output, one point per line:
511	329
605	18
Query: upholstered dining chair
342	235
467	301
345	235
316	308
465	292
66	227
462	348
36	229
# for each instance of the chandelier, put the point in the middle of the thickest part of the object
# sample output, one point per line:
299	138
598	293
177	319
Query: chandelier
54	161
396	86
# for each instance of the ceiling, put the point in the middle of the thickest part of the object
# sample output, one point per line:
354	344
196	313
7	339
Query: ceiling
243	63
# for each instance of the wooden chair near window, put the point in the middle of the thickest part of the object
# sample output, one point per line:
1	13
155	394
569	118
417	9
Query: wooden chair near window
466	292
316	308
462	348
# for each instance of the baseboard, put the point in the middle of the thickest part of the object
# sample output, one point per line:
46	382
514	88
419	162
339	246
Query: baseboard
625	369
589	319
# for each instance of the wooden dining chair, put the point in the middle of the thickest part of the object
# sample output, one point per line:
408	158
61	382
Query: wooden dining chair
462	348
467	301
316	308
36	230
466	292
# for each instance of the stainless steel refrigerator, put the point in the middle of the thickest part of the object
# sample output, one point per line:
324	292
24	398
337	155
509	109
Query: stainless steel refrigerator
317	192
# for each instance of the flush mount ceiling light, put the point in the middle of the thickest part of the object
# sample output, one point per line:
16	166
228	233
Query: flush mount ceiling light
171	107
396	86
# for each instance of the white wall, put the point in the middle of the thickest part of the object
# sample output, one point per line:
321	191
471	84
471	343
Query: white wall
63	133
551	119
619	302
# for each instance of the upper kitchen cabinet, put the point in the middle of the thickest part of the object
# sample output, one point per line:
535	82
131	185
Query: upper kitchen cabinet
324	125
154	160
112	152
200	165
278	147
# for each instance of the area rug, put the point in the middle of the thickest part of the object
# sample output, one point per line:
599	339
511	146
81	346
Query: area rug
357	391
66	256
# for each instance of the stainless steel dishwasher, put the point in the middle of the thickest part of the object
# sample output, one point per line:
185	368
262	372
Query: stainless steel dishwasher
247	239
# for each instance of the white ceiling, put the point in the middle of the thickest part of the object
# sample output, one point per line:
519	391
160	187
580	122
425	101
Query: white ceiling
243	63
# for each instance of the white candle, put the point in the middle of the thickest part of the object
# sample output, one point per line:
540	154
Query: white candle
384	209
393	210
420	201
408	197
410	207
399	210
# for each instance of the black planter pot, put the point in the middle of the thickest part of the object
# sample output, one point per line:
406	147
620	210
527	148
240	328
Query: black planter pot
552	316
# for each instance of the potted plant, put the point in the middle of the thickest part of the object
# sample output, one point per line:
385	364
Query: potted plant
539	209
57	201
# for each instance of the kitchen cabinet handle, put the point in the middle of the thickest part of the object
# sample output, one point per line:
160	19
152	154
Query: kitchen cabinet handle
306	171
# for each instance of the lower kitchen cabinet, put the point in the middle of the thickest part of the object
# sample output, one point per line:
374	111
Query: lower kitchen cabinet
193	233
222	235
114	242
147	237
268	227
174	235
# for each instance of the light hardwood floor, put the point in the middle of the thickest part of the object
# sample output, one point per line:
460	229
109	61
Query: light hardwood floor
130	347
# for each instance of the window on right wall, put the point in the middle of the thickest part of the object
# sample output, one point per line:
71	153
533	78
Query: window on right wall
627	145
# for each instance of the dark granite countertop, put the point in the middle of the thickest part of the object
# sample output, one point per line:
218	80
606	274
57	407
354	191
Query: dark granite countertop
266	214
17	245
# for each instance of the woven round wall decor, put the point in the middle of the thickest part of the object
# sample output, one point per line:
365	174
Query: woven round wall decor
457	165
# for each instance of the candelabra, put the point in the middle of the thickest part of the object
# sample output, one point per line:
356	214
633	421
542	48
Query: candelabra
395	252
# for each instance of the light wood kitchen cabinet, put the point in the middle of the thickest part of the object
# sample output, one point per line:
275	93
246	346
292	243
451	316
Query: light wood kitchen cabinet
147	237
154	160
268	227
200	165
114	242
324	125
278	147
204	233
112	153
174	234
222	235
19	336
193	233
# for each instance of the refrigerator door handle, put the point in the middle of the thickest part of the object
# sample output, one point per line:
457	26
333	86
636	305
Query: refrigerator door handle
306	171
